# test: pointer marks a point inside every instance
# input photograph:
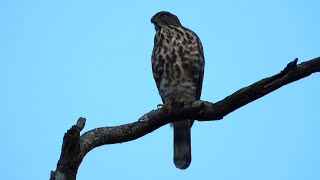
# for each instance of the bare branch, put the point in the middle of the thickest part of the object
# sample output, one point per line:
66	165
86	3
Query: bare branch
75	147
69	161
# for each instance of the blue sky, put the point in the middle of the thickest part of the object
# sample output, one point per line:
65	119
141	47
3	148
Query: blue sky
60	60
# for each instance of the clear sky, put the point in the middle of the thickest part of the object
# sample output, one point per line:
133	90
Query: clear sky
60	60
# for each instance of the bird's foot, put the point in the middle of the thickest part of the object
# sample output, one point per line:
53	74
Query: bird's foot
179	102
164	105
175	103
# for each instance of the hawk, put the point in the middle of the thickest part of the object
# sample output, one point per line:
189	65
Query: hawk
178	67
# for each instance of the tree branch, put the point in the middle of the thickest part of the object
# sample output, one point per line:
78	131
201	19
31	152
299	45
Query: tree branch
75	147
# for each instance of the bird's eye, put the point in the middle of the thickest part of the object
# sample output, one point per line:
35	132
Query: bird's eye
164	16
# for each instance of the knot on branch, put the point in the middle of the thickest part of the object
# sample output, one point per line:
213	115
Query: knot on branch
291	67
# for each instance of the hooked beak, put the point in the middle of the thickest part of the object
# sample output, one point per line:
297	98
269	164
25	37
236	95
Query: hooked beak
155	22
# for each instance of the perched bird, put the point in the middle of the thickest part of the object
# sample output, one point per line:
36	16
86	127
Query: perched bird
178	67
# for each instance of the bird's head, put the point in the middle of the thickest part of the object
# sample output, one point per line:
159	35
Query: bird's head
164	18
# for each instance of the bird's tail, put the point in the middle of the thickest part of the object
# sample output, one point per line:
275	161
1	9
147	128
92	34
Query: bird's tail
182	144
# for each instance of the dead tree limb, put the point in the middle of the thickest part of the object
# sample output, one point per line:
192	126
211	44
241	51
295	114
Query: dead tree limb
75	147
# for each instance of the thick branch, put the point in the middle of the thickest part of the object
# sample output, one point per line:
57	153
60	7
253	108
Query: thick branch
198	110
